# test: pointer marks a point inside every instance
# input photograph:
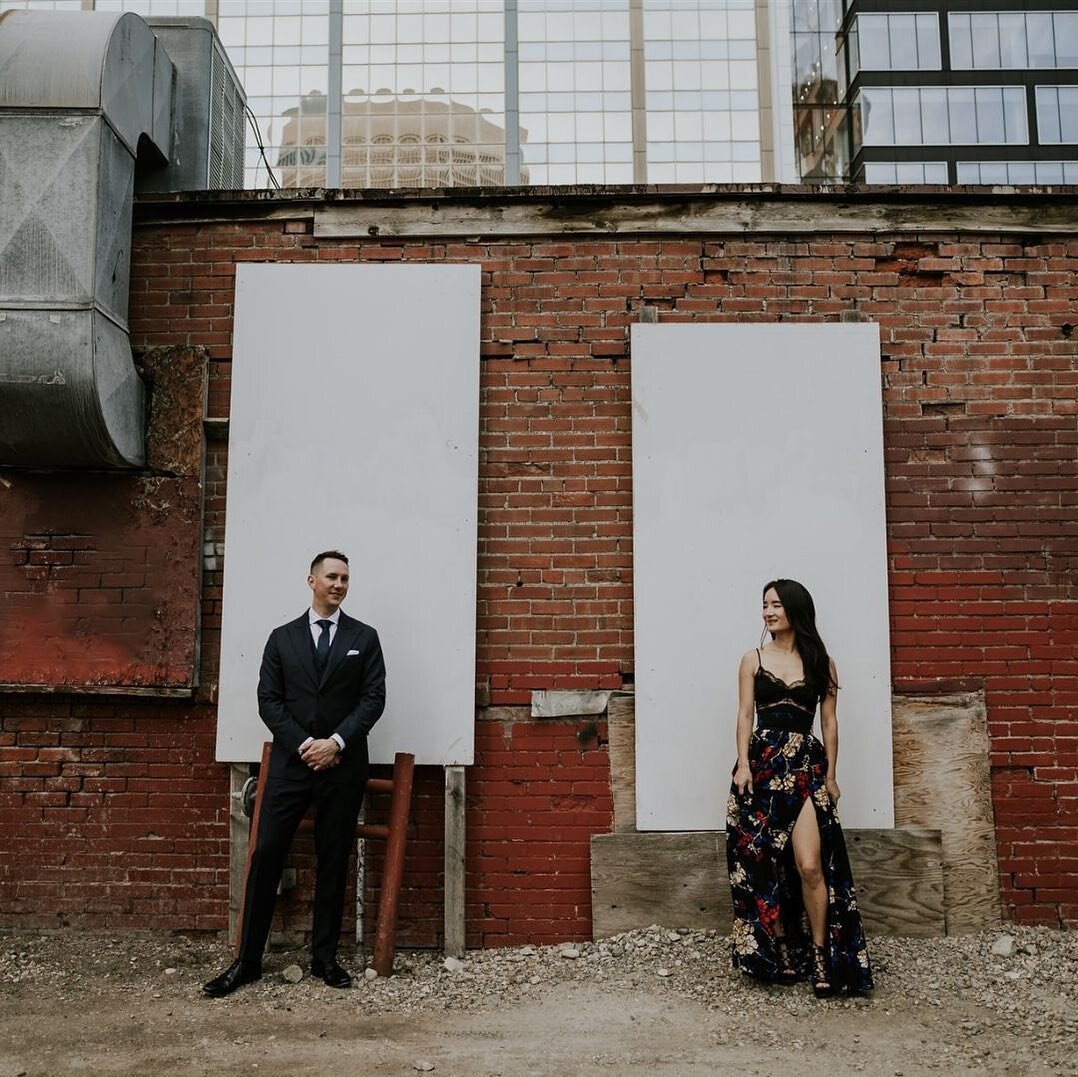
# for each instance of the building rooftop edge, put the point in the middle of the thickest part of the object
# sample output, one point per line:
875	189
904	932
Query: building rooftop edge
596	210
830	192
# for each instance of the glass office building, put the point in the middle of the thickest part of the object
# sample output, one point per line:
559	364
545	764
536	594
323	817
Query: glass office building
386	93
434	93
985	94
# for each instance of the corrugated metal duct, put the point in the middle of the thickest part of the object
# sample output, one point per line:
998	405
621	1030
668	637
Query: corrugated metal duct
81	94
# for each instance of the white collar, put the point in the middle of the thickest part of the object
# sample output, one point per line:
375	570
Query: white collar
313	618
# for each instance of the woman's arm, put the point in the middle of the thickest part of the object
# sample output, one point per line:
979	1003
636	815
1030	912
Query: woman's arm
746	697
829	729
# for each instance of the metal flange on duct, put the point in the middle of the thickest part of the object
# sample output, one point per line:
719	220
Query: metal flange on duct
81	95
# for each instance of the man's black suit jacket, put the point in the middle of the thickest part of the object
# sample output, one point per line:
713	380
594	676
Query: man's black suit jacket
296	701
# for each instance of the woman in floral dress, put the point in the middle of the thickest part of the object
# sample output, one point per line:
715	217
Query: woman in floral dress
795	908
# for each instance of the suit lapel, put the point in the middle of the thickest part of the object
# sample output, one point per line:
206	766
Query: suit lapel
299	632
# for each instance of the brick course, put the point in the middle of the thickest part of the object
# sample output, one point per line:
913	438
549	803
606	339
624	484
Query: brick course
979	386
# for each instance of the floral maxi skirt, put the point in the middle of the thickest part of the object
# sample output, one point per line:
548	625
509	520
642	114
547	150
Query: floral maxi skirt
788	768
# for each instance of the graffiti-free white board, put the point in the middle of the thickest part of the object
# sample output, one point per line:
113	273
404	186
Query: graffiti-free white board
354	426
757	453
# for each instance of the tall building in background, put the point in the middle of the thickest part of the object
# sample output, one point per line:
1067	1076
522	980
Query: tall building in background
389	141
401	93
895	92
398	92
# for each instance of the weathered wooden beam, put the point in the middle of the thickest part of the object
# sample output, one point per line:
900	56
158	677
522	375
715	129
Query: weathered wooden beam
647	214
679	880
239	832
597	210
621	735
454	922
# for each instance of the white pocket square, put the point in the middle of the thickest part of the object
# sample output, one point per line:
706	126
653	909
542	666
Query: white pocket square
350	653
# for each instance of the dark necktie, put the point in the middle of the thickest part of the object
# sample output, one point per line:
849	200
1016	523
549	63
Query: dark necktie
322	650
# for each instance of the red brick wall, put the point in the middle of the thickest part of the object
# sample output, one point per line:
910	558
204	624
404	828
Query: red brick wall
99	571
979	394
981	447
113	814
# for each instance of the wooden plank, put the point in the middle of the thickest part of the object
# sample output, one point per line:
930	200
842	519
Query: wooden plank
899	879
621	744
676	880
454	861
709	211
679	880
239	833
942	781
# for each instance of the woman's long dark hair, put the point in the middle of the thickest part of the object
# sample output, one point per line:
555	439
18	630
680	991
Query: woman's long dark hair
801	613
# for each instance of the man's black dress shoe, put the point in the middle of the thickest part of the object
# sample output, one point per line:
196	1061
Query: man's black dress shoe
236	975
332	974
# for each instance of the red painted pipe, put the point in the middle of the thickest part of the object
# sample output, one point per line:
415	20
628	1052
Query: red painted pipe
385	938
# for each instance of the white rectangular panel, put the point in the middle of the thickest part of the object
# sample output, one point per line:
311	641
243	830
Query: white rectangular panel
354	425
757	454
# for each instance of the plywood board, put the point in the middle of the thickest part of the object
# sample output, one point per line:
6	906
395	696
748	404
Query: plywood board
354	425
757	453
679	880
942	781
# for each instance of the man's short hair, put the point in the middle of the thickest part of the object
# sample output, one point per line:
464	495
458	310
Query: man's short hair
320	557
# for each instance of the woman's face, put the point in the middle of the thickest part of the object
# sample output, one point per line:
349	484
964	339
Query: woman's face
774	615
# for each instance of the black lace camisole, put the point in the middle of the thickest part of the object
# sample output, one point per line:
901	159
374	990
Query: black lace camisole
783	706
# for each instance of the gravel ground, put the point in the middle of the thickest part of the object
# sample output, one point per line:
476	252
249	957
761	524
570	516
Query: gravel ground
646	1001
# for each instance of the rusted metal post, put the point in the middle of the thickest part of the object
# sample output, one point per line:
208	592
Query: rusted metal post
385	937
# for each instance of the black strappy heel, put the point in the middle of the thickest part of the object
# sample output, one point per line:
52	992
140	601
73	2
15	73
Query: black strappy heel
787	971
821	975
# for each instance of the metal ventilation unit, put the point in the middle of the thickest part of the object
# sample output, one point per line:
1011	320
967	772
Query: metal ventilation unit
208	132
81	95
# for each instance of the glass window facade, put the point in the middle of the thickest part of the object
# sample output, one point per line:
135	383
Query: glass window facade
1013	39
281	58
914	83
701	98
603	91
575	91
904	172
1057	114
937	115
1017	171
819	86
423	102
899	42
44	5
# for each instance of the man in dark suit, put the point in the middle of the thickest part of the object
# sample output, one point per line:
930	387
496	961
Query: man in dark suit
320	690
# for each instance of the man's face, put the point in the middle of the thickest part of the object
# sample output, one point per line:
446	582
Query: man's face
329	584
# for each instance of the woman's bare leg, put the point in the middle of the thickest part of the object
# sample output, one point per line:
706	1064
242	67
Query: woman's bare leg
806	846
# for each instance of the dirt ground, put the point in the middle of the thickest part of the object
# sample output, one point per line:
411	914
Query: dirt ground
111	1006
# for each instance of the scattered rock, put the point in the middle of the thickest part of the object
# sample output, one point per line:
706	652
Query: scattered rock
1003	946
423	1066
964	990
570	952
292	974
453	964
